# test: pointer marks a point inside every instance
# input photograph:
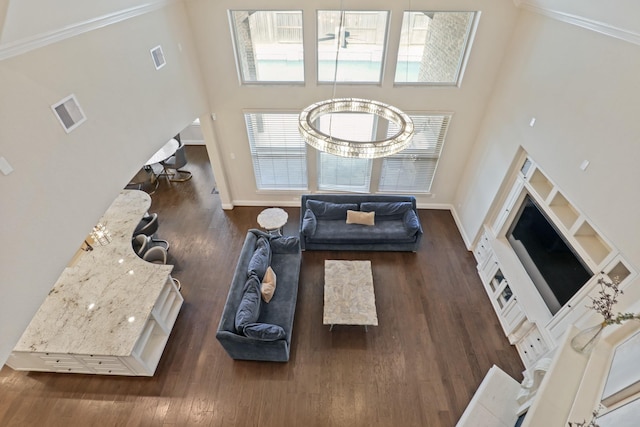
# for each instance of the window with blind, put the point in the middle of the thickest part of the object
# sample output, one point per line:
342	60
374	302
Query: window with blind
337	173
268	45
277	150
412	170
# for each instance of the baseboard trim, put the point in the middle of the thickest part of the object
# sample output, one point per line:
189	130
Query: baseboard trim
465	238
271	203
580	21
22	46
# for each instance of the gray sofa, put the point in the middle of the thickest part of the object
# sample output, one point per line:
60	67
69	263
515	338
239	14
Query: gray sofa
262	343
323	224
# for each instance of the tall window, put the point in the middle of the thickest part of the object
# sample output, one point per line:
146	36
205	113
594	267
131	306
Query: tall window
412	170
277	150
433	47
358	49
341	173
268	45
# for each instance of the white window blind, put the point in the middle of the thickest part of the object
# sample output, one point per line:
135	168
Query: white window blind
277	150
412	170
341	173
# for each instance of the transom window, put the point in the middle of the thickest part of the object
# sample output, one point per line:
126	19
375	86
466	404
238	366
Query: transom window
433	47
268	45
358	50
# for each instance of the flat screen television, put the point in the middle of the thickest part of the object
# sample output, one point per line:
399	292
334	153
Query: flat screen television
555	268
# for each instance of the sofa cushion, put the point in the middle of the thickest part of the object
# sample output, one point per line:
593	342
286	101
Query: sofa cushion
264	331
249	307
268	286
260	259
363	218
309	223
411	222
339	232
395	209
328	210
284	245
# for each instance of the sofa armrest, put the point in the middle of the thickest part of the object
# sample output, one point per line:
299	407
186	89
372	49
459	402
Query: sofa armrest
411	222
244	348
309	223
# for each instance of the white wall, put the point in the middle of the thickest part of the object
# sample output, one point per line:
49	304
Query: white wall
28	18
620	14
63	183
583	89
228	98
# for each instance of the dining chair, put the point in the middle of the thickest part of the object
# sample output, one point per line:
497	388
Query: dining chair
174	163
145	179
140	244
148	226
156	255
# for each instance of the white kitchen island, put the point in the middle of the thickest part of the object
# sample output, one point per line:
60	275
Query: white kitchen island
110	313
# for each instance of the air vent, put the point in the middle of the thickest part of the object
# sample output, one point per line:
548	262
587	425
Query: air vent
69	113
158	57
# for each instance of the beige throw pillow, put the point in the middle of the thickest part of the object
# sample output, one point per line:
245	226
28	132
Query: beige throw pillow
268	287
357	217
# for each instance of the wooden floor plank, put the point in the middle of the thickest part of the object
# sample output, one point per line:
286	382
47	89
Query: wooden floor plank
437	337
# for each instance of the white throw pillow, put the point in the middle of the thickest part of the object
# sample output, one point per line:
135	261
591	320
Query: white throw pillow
268	287
357	217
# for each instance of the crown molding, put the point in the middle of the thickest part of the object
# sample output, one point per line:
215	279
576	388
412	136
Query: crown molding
37	41
580	21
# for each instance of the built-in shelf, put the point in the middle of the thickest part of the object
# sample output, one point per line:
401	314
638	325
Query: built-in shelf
574	226
541	184
618	272
565	212
514	295
593	245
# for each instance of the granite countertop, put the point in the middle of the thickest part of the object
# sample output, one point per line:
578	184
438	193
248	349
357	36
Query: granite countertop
100	305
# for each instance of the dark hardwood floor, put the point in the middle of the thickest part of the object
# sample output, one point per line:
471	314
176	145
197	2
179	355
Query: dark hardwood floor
436	339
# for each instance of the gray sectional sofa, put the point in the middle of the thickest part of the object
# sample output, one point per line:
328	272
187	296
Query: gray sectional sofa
323	223
251	329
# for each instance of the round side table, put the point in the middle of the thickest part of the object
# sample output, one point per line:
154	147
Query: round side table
272	220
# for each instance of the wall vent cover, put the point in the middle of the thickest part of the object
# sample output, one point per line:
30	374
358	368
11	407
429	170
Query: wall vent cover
158	57
69	113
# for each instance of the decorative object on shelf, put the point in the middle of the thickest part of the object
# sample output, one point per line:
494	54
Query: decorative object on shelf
349	147
586	339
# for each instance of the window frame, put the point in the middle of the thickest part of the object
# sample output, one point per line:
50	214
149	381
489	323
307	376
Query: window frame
237	54
301	155
383	59
464	57
425	156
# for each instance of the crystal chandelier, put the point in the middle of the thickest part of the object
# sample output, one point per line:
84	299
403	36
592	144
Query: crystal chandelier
308	119
350	148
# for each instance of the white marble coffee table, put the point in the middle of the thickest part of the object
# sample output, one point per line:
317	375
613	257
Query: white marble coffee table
349	298
273	219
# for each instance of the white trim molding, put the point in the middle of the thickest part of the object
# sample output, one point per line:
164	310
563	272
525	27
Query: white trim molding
27	44
580	21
